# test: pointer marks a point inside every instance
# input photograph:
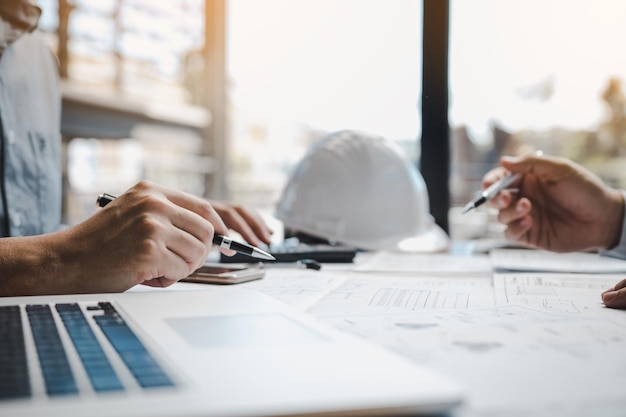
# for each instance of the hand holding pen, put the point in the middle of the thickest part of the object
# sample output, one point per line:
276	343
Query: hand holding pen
559	206
219	240
493	190
151	235
494	182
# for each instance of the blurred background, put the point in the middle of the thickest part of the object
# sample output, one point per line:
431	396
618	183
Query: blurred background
221	98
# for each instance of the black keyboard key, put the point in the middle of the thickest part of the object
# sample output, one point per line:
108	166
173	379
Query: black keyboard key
101	374
139	361
55	366
14	377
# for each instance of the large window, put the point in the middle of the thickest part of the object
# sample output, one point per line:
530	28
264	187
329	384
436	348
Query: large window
133	77
138	47
296	70
536	75
301	68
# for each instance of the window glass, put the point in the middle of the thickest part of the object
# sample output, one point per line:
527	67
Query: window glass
536	75
300	69
137	47
142	56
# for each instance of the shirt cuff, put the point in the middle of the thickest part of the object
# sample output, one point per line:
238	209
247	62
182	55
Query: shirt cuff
618	251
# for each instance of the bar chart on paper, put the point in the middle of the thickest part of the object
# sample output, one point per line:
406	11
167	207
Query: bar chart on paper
372	293
403	299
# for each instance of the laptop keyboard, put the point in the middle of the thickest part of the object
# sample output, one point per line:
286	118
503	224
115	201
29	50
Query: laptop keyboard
56	369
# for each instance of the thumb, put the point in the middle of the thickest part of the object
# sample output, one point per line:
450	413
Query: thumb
534	162
517	164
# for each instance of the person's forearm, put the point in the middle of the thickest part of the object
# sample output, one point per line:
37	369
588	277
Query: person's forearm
32	266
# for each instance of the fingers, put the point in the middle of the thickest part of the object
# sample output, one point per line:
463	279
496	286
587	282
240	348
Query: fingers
518	230
176	229
190	238
493	176
536	163
502	200
255	223
621	284
200	220
249	225
616	296
159	282
191	218
515	212
518	220
168	233
532	162
194	204
245	221
505	197
164	249
149	235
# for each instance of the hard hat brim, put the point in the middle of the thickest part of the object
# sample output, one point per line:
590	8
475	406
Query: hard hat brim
432	240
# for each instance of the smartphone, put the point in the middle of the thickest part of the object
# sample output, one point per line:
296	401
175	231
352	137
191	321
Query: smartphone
225	274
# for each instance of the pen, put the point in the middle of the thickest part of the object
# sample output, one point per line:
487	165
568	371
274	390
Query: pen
491	191
300	263
219	240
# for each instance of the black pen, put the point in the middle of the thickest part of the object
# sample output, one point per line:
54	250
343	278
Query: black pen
219	240
300	263
492	191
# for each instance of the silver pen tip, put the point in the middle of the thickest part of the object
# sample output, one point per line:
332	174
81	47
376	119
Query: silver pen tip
468	207
261	254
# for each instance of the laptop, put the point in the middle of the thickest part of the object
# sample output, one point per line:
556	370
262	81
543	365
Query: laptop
214	352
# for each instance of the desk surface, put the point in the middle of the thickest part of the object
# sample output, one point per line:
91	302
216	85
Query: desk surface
523	343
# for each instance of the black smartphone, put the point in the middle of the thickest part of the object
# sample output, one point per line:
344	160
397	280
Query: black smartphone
224	274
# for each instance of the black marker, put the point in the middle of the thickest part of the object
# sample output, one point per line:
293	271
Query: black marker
219	240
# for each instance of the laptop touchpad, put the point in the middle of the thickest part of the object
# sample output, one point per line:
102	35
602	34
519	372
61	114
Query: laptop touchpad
243	331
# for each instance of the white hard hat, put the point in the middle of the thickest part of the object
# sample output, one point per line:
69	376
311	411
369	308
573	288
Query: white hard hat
360	190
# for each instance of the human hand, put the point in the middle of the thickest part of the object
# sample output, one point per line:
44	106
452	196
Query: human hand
245	221
615	297
149	235
559	205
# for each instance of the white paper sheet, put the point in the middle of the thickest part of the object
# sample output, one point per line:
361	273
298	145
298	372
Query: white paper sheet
538	260
370	293
300	288
520	358
554	292
439	263
513	360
